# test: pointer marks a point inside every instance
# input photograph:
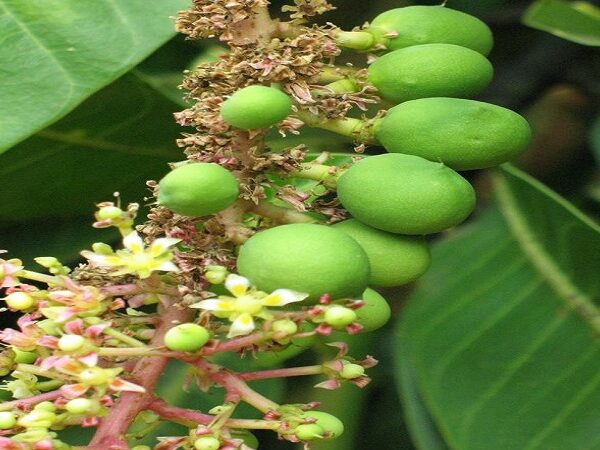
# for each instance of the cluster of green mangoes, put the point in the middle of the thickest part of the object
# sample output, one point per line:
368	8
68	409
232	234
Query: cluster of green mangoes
434	60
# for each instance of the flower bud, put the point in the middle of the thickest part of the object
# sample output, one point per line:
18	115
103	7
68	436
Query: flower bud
207	443
19	301
71	342
339	316
37	419
7	420
351	371
216	274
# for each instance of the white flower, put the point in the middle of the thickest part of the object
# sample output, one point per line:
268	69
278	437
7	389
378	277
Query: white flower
135	258
246	304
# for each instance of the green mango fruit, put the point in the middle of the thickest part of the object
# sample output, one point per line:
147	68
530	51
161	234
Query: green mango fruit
375	313
394	259
430	70
405	194
308	258
255	107
463	134
416	25
198	189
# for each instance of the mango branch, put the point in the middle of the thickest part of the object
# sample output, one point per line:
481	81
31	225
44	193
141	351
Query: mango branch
111	431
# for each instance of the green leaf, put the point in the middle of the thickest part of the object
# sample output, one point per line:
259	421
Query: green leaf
502	332
56	53
578	21
114	141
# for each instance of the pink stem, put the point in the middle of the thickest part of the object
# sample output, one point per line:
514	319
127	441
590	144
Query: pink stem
236	387
111	431
175	413
235	344
24	403
279	373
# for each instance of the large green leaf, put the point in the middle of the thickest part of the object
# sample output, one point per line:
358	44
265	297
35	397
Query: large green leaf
55	53
114	141
577	21
501	335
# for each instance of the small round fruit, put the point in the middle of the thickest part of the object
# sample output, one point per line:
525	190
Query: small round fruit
256	107
109	212
186	337
207	443
7	420
463	134
309	431
332	426
19	301
351	371
71	342
430	70
394	259
405	194
416	25
375	313
339	316
24	357
82	406
198	189
309	258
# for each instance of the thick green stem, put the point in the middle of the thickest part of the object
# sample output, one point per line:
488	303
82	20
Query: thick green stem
327	175
357	129
357	40
281	215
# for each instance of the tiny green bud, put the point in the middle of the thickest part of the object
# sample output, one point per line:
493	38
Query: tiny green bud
309	431
37	419
102	248
47	261
109	212
45	406
49	326
186	337
93	376
351	371
331	425
339	316
24	357
71	342
19	301
141	447
286	326
207	443
7	420
216	274
83	406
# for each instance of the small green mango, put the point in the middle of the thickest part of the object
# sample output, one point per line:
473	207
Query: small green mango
463	134
405	194
416	25
375	313
430	70
394	259
256	107
309	258
198	189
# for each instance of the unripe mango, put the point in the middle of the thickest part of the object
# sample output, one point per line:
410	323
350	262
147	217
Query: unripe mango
198	189
256	107
430	70
416	25
394	259
463	134
309	258
405	194
375	313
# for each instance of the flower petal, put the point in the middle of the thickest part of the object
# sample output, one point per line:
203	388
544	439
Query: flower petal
102	260
242	325
282	297
214	304
161	245
119	384
133	242
167	266
237	284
